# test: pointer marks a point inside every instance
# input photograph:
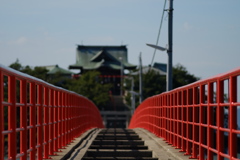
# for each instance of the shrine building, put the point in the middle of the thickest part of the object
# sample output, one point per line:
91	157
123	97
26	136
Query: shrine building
110	61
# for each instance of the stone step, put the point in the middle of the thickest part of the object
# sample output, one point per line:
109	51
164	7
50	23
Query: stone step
112	137
119	158
118	147
117	142
117	153
119	130
117	134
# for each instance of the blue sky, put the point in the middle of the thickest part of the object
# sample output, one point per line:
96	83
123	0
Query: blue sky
206	34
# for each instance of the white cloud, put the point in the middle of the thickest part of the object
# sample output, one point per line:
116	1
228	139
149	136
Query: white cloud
20	41
187	26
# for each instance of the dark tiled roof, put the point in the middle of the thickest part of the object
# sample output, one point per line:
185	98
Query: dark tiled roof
53	69
160	66
94	57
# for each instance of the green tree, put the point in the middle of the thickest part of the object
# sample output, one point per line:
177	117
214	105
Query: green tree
91	86
16	65
182	77
27	70
58	79
38	72
154	84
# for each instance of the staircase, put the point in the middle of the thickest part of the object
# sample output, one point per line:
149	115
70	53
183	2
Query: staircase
116	114
118	143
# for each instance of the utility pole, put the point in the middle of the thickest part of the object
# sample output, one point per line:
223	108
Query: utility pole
121	83
140	79
132	95
169	49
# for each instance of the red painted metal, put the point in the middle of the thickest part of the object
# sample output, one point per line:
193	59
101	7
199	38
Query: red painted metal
200	119
38	119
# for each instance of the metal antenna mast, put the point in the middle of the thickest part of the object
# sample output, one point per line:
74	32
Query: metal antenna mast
169	49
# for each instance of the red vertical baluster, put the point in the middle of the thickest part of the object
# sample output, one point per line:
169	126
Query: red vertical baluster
1	115
183	125
46	123
170	119
220	113
64	119
176	120
180	119
23	119
232	117
59	119
68	118
210	120
12	146
202	135
195	125
40	122
188	118
55	121
33	120
51	124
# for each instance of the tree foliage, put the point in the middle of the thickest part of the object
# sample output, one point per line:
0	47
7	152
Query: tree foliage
38	72
16	65
91	86
88	85
154	84
182	77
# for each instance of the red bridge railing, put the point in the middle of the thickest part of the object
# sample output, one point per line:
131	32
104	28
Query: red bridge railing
200	119
37	119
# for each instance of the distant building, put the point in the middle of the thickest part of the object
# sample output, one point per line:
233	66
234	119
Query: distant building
159	68
108	60
55	69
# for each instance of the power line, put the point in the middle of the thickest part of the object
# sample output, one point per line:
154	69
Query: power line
159	31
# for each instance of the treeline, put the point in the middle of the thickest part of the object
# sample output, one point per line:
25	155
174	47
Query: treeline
89	84
154	83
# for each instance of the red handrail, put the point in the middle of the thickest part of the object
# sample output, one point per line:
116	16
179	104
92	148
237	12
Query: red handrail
199	118
37	119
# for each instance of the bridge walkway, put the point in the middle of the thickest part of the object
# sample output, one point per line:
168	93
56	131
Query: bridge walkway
120	144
